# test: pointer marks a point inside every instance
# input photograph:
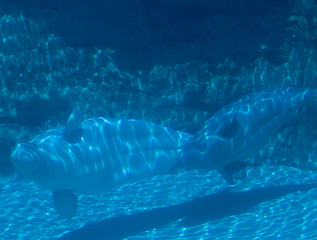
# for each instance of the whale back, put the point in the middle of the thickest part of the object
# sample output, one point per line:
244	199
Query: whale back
238	129
97	154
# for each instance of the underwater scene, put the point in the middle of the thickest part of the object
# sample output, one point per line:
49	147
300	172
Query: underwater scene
156	119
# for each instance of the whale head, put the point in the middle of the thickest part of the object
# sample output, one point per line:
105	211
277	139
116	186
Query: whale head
29	161
48	156
41	161
44	159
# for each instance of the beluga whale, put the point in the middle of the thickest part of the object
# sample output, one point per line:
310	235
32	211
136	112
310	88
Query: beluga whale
95	155
237	130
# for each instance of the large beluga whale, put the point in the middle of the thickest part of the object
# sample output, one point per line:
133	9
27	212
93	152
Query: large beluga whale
239	129
94	155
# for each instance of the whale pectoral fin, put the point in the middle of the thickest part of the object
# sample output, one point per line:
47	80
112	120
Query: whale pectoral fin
230	127
234	171
72	133
65	202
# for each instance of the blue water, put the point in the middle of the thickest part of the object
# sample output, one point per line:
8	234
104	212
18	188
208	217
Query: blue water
170	62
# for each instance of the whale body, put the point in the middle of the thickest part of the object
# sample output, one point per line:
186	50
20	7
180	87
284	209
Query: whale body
107	153
94	155
239	129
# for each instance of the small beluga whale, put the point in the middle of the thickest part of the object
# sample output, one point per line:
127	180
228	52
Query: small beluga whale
239	129
95	155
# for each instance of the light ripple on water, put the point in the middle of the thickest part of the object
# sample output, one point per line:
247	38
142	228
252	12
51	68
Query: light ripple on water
27	213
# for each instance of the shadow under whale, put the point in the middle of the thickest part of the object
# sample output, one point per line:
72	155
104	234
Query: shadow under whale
215	206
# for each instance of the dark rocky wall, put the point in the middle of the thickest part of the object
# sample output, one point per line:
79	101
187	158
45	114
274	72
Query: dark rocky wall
148	32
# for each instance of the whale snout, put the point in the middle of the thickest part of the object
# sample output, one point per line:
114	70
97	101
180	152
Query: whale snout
28	161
